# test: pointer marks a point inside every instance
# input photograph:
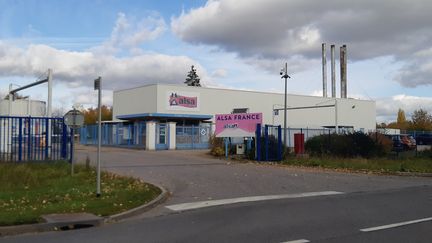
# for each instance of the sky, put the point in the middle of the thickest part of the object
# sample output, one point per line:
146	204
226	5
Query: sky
235	44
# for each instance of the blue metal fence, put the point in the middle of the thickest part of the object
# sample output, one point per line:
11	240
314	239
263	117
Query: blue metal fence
33	139
308	133
115	134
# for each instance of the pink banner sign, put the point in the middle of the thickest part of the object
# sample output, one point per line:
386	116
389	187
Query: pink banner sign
237	125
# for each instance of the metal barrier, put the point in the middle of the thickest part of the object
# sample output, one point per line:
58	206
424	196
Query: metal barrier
308	133
115	134
33	139
193	137
269	143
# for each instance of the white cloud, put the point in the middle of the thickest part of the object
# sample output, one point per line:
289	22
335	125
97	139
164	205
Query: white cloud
277	29
219	73
129	33
78	69
387	108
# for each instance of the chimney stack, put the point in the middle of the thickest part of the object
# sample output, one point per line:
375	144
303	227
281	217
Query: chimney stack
324	69
333	71
343	71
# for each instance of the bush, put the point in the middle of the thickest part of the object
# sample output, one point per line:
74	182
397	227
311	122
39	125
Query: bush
348	145
217	147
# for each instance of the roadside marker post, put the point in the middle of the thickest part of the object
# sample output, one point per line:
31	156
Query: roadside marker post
73	119
97	86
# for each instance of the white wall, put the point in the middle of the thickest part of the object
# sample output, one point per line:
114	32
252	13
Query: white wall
134	101
357	113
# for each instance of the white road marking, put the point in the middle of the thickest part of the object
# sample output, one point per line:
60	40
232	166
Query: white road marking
297	241
211	203
396	225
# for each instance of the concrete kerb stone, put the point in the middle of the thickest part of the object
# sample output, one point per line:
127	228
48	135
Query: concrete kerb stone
141	209
53	226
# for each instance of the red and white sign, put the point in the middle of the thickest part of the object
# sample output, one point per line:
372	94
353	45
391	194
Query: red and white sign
186	101
237	125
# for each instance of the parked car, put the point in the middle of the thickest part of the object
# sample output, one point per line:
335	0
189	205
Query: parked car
402	142
425	138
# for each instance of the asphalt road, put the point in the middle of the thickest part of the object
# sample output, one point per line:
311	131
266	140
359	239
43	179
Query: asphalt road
337	218
190	176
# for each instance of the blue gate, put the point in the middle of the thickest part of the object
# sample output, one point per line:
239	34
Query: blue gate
33	139
193	137
269	143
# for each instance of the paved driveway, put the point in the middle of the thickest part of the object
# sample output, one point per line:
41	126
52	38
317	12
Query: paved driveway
194	176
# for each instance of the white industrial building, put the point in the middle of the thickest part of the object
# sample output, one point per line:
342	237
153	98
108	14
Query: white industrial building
179	105
193	105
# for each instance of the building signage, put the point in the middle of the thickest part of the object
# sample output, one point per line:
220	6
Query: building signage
186	101
237	125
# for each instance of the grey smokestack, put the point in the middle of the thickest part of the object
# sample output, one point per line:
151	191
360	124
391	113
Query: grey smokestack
333	71
324	69
343	71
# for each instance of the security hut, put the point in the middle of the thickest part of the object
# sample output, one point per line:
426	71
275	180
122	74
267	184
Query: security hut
163	107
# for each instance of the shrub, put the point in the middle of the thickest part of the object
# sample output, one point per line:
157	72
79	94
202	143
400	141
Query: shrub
217	147
384	144
348	145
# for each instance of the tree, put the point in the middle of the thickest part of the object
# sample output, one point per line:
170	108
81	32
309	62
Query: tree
401	121
91	114
192	78
421	120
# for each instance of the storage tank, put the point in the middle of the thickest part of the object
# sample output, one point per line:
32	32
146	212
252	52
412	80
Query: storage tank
23	107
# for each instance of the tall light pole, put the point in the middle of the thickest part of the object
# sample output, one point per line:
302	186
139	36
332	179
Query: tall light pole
284	74
98	87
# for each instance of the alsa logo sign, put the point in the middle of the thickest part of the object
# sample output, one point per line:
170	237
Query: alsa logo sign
182	101
179	100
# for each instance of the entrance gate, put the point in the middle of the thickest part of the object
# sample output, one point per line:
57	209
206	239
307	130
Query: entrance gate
33	139
269	143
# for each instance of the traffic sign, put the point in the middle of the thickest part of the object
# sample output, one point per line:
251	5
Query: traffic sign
74	118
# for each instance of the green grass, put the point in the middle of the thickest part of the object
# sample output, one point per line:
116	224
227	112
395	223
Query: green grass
415	164
29	190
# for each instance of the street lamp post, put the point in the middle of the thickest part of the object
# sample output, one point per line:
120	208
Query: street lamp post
284	74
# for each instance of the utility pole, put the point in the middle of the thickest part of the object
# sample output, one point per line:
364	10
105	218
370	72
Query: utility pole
284	74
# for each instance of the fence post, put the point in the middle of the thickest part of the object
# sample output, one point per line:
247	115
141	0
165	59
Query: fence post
46	137
29	139
289	138
266	140
20	139
71	147
279	143
258	142
64	141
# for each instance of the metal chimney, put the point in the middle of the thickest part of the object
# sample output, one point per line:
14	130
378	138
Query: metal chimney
343	71
324	69
333	71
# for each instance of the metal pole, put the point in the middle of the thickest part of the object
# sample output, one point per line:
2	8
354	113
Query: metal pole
73	151
49	111
333	72
336	117
324	69
343	72
28	106
285	103
98	189
10	100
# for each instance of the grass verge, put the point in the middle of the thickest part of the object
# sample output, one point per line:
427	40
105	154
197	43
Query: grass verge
419	165
29	190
